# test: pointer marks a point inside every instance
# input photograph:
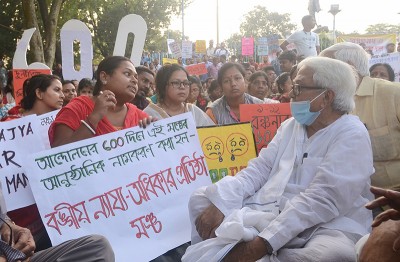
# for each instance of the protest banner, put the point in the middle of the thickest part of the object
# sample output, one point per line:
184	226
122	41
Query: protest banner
19	77
197	69
248	46
201	46
227	148
262	46
167	60
131	186
187	49
393	59
265	120
169	41
18	138
273	44
175	49
375	43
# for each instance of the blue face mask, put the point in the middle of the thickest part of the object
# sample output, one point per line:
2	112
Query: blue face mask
301	111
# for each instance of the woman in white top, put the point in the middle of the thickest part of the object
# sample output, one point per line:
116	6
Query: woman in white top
172	87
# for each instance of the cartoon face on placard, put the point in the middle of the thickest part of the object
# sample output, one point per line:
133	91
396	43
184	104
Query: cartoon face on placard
237	144
227	149
213	148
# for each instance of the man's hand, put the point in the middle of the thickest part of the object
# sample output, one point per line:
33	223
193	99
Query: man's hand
22	238
385	197
247	251
381	244
208	221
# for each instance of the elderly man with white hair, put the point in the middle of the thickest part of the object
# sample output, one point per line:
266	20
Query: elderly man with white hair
303	197
378	107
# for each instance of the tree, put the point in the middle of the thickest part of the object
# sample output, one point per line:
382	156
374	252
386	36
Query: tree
383	29
260	22
101	16
234	43
42	48
10	28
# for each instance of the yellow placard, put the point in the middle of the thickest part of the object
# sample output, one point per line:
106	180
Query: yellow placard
167	60
227	149
200	46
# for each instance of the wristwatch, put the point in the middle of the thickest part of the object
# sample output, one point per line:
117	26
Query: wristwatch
270	250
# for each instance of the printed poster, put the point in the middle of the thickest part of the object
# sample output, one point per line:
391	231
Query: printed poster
265	120
227	148
131	186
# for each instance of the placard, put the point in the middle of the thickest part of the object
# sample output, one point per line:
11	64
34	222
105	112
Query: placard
197	69
18	138
265	120
131	186
227	148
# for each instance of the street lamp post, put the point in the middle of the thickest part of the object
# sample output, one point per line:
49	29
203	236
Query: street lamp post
334	10
217	22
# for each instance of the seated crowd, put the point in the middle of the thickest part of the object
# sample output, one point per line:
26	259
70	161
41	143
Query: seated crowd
306	197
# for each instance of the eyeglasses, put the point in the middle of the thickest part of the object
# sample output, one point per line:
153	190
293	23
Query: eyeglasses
297	89
177	84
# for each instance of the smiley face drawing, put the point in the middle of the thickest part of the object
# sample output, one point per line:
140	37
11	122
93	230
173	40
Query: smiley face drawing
237	145
213	148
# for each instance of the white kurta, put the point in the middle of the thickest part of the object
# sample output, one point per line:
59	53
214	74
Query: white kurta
327	184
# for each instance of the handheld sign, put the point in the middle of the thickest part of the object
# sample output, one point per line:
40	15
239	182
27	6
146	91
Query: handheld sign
265	120
132	186
197	69
18	138
227	149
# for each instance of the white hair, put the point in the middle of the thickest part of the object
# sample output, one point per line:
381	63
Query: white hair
337	76
350	53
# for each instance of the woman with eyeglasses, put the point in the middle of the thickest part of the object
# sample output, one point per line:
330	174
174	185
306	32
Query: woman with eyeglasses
225	110
173	87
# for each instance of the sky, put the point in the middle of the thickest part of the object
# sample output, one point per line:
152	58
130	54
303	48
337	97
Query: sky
200	18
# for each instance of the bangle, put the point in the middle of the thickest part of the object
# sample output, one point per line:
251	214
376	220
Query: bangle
88	126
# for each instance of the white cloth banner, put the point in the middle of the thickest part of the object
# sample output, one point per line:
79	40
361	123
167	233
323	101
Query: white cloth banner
393	59
132	186
18	138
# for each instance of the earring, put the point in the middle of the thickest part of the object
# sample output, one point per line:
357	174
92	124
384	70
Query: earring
104	82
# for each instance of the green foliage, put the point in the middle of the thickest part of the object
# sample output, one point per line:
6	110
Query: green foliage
101	16
383	29
10	28
324	41
234	43
260	22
